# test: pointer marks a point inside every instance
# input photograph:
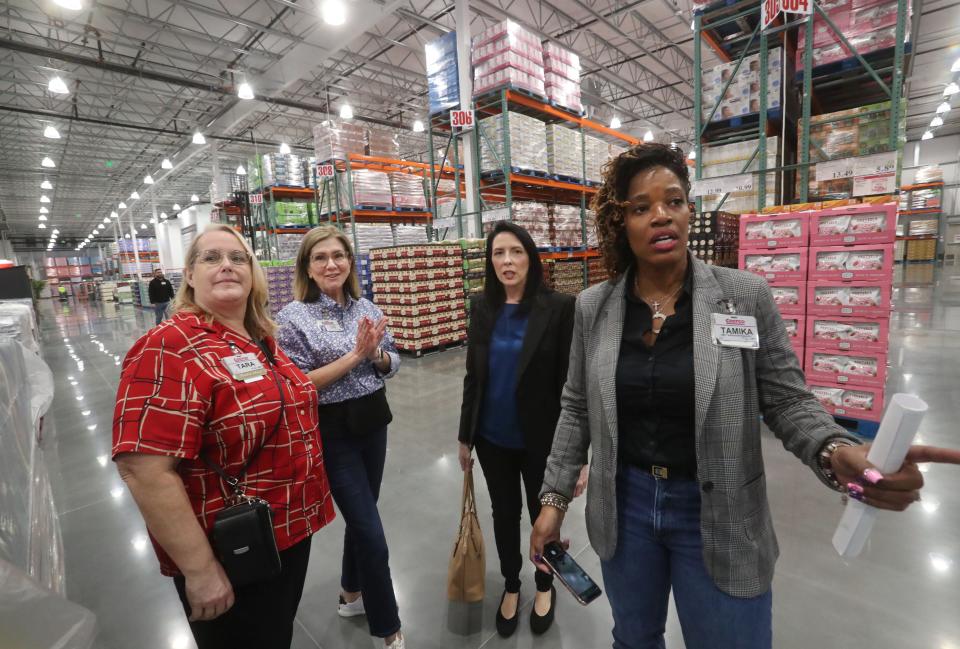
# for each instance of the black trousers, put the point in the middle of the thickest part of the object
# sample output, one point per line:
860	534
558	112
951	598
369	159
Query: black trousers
262	616
503	469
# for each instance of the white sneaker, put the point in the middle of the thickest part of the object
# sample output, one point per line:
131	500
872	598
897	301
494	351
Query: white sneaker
398	643
351	609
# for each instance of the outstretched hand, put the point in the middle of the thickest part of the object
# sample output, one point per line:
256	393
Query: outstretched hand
895	491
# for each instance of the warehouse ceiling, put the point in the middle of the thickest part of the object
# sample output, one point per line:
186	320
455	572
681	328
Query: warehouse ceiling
144	75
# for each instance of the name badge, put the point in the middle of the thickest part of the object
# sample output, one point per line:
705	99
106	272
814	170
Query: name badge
331	326
244	367
735	331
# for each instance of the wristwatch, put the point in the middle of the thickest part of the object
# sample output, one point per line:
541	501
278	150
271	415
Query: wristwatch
824	458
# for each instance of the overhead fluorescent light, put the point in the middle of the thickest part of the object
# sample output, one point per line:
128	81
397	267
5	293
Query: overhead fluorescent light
693	154
42	218
42	226
148	180
134	195
44	210
163	215
100	226
176	207
44	199
47	162
936	121
956	66
241	171
927	135
418	126
122	205
106	219
51	132
57	86
648	136
153	221
46	185
166	164
346	112
143	226
943	108
334	13
72	5
951	89
114	215
615	122
194	198
198	138
245	91
284	148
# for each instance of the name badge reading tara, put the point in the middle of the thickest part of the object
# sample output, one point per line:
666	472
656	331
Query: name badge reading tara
331	326
244	367
735	331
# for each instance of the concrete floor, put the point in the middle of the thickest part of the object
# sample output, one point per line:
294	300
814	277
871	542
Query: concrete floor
902	592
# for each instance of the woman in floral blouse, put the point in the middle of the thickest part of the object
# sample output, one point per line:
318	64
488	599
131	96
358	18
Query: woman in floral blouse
340	342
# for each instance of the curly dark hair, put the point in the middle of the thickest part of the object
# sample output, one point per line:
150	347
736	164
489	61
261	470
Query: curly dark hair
610	201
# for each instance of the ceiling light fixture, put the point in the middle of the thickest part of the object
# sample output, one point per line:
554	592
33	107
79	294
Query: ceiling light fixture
148	180
153	221
194	198
346	112
176	207
166	164
951	89
693	154
47	162
42	218
143	226
936	121
122	205
334	12
106	219
46	185
134	195
42	226
126	236
57	86
648	136
615	122
245	91
241	171
44	199
943	108
51	132
114	215
72	5
198	138
163	215
927	135
284	148
956	66
44	210
100	226
418	126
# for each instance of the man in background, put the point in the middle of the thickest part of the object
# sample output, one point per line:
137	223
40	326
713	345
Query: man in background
160	292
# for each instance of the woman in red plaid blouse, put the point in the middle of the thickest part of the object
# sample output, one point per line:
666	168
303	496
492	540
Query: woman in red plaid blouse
183	400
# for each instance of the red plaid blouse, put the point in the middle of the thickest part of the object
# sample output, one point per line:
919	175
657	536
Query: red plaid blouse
177	399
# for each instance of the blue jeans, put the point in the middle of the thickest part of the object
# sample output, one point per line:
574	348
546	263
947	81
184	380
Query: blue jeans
658	547
354	465
160	311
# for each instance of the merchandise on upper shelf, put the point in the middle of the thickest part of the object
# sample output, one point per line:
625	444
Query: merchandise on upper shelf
383	144
370	188
293	213
743	93
407	190
533	216
507	54
868	25
596	154
729	160
527	137
562	76
928	174
275	170
443	80
337	140
369	235
921	227
564	151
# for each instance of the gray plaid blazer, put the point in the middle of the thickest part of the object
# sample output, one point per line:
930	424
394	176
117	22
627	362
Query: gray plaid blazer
733	388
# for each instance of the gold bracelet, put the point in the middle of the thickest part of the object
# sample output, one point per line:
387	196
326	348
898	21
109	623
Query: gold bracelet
552	499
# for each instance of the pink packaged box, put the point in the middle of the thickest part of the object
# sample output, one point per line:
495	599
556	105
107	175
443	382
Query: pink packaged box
791	298
780	265
774	231
861	402
870	263
854	299
855	335
796	327
846	368
854	225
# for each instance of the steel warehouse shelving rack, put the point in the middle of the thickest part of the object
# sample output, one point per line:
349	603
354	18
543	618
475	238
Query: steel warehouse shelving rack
732	29
905	216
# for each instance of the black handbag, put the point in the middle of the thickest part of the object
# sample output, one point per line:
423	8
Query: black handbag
242	534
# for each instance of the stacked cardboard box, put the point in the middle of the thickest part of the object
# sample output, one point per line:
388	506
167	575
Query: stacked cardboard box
564	151
474	266
743	93
562	76
596	271
420	290
566	230
407	190
564	276
337	140
868	25
276	170
279	283
507	54
528	142
728	160
383	144
443	80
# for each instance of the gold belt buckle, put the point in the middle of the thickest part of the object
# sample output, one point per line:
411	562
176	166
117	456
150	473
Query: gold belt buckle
659	471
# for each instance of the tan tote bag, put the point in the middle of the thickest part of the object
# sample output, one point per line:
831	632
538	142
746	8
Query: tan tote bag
468	566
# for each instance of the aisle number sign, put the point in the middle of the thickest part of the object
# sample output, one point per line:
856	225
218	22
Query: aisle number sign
325	171
256	199
770	9
462	119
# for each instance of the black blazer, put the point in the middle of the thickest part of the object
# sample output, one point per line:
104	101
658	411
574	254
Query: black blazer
541	373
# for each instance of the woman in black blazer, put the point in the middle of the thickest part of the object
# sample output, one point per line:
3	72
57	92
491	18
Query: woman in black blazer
517	355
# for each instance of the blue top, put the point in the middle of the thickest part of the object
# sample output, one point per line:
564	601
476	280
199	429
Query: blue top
314	334
499	422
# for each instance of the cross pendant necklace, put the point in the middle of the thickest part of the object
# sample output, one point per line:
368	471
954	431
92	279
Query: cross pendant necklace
658	317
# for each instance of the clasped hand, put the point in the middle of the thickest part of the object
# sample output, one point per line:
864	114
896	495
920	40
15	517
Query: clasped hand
369	336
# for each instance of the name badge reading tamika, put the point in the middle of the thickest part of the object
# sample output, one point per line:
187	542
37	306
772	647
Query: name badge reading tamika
244	367
331	326
735	331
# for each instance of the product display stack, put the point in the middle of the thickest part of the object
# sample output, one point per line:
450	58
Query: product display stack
368	236
337	140
565	226
371	189
407	191
443	82
715	238
507	54
279	283
564	153
867	25
743	94
409	235
564	276
848	268
292	213
562	76
528	143
729	160
276	170
596	152
420	290
474	266
533	216
365	276
596	271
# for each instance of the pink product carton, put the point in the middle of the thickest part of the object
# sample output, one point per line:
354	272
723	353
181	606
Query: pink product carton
791	298
860	402
796	326
770	231
854	225
846	368
870	263
853	299
780	265
853	335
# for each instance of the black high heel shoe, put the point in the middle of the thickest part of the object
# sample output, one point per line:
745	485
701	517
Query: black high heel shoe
506	627
540	623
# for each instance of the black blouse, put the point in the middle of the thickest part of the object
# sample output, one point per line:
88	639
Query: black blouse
655	387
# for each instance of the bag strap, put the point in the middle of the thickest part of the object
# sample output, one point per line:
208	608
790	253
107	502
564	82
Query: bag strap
234	481
468	503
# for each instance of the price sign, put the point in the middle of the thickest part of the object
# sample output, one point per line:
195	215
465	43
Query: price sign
870	185
770	9
325	171
741	183
462	119
256	199
445	222
706	187
834	170
872	165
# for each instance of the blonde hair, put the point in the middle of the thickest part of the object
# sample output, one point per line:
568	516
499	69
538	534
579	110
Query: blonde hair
256	315
304	288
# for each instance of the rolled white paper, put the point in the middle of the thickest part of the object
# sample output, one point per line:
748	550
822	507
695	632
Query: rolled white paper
897	430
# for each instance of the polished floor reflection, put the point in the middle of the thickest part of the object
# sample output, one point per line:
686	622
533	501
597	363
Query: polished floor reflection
903	592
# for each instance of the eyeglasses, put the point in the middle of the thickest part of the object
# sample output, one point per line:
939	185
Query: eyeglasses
214	257
323	259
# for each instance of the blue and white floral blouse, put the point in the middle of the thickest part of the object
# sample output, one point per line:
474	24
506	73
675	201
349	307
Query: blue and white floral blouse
314	334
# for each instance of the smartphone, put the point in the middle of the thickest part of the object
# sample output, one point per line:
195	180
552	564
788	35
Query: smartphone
570	574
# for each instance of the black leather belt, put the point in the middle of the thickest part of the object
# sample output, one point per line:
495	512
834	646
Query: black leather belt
666	473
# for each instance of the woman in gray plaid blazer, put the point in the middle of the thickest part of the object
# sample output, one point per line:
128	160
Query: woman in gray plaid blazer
701	527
